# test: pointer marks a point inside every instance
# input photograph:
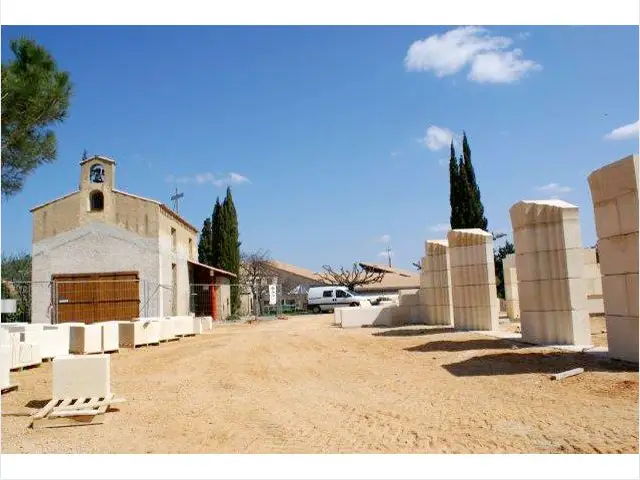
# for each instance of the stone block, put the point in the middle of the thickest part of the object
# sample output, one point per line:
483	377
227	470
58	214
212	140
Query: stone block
85	339
367	316
110	336
28	354
614	179
408	298
56	341
622	337
619	254
140	332
81	376
206	323
627	205
5	365
615	295
607	219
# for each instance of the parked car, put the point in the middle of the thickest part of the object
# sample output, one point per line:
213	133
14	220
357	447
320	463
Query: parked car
324	299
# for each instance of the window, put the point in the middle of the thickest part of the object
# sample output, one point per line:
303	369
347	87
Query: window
342	294
173	239
327	293
96	201
190	248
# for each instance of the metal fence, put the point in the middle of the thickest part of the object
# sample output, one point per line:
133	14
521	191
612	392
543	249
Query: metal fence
98	300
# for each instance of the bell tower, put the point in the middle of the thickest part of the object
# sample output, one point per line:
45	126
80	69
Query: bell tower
97	182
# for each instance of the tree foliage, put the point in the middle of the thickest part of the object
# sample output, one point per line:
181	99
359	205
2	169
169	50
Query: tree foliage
219	244
351	279
35	96
16	278
467	210
499	255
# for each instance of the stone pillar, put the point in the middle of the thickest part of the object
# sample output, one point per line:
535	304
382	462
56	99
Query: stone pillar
511	286
614	191
435	284
473	280
550	266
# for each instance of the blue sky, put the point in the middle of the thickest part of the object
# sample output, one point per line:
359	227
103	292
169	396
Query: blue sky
334	139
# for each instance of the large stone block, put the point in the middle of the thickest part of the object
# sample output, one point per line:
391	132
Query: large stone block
28	354
619	254
367	316
56	342
206	323
409	298
140	332
81	376
85	338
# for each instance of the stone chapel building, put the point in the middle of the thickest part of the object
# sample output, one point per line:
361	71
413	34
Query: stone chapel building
110	255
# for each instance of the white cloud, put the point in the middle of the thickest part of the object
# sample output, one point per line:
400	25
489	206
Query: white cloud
386	238
500	67
524	35
395	153
204	177
450	52
443	162
625	132
209	178
437	138
237	178
554	188
440	227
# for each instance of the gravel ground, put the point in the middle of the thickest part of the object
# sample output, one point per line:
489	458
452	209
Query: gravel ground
302	386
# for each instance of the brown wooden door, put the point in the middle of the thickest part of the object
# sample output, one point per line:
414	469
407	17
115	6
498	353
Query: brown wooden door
96	297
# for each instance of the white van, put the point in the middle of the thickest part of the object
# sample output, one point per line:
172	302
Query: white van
324	299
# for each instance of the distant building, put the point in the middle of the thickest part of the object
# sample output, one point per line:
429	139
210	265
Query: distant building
111	255
394	279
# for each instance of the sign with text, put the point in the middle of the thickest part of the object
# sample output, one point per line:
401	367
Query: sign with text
272	294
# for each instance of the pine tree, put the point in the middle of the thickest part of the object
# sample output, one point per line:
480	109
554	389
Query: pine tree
474	216
454	175
205	244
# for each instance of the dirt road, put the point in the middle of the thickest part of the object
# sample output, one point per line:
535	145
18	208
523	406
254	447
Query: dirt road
301	385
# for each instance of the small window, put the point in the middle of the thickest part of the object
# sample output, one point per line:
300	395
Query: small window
173	239
341	294
190	248
96	201
327	293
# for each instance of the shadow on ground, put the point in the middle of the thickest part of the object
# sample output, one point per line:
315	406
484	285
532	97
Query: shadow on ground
407	332
461	346
514	363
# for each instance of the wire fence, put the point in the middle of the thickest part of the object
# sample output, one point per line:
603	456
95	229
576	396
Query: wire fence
90	301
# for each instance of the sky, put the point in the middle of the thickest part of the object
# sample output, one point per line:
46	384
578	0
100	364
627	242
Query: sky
335	140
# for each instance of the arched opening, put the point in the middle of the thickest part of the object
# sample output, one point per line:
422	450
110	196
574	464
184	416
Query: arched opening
96	201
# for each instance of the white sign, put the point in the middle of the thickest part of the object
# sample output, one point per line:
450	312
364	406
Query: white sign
272	294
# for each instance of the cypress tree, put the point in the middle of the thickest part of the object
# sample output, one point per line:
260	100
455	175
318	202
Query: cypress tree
474	215
216	235
454	175
204	245
463	196
231	246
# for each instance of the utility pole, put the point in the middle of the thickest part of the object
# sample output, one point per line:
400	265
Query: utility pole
389	255
175	199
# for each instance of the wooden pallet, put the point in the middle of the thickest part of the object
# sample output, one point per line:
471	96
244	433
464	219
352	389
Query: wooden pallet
8	389
25	367
69	412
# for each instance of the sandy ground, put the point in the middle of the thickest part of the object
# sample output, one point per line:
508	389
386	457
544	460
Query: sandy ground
303	386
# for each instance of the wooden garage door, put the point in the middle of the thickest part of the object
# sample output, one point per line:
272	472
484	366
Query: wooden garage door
96	297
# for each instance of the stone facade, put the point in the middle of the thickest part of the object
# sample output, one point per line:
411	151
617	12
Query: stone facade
435	284
99	229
